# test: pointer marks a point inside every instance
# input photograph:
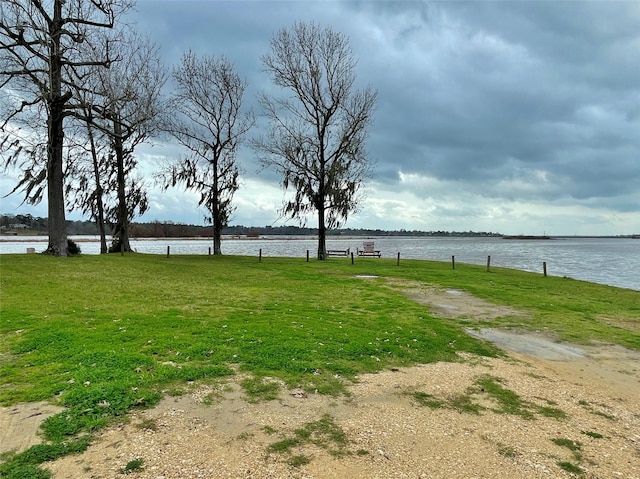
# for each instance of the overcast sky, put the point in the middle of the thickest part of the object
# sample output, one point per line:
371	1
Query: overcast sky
517	117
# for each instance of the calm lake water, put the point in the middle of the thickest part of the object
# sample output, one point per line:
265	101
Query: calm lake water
612	261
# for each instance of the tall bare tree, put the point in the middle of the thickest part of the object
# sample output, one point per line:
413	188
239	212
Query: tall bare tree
209	124
43	53
129	112
317	133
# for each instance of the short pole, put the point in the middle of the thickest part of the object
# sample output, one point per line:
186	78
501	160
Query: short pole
209	250
488	262
544	268
260	256
168	250
453	262
398	262
352	257
307	256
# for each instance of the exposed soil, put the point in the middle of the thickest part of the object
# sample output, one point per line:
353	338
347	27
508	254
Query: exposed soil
214	432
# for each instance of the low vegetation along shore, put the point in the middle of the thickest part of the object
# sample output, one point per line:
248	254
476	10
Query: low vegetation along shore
106	336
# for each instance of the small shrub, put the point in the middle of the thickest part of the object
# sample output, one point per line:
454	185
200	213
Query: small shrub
72	247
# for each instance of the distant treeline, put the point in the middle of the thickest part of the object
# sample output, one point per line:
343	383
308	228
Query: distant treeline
28	224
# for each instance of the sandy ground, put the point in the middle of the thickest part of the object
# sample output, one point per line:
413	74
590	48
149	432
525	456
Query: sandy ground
213	432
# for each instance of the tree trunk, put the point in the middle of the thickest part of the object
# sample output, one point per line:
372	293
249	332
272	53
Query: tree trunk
215	211
57	227
217	244
322	235
98	213
121	232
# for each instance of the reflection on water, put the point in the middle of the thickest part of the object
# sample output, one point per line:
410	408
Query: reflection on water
613	261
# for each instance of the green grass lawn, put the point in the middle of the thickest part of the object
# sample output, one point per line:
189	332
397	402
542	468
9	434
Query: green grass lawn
104	334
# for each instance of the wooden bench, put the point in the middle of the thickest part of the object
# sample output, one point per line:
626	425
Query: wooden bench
338	252
368	249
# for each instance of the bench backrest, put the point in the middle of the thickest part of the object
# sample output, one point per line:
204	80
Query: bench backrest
368	246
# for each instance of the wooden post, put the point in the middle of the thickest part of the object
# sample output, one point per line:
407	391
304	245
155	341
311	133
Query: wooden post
209	250
398	262
488	262
168	249
352	257
544	268
453	262
307	256
260	256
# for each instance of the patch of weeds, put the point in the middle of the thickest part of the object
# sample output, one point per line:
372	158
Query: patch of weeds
268	430
148	424
610	417
283	445
506	451
594	435
574	446
260	389
362	452
424	399
508	401
596	412
244	436
211	398
298	460
464	403
176	391
25	464
551	412
135	465
570	467
324	433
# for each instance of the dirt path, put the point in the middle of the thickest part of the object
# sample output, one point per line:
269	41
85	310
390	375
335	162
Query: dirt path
407	423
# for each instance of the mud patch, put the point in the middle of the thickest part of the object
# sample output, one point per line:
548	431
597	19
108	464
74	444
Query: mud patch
612	365
20	425
452	303
528	343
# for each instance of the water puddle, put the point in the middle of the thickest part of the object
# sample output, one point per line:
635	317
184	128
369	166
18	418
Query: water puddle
528	343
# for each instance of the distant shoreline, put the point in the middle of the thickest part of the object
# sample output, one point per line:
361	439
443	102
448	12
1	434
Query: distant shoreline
41	238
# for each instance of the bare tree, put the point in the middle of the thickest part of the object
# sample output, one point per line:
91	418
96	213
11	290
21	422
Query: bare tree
317	134
43	48
208	122
129	112
90	172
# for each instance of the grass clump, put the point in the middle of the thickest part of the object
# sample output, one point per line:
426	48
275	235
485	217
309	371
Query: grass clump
24	465
260	389
324	433
135	465
424	399
570	467
507	401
